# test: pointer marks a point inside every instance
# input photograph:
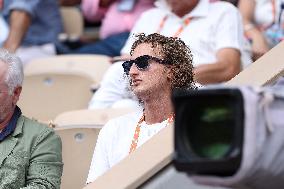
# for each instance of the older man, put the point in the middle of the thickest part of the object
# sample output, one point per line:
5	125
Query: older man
30	152
158	65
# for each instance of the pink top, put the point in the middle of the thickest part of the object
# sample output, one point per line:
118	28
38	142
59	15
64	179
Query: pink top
113	20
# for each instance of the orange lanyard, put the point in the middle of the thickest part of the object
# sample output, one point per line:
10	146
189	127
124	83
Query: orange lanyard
185	23
134	143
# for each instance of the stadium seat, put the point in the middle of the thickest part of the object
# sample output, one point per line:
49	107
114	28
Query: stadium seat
46	95
73	21
79	131
93	65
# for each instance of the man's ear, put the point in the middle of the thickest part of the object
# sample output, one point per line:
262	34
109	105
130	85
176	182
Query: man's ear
16	94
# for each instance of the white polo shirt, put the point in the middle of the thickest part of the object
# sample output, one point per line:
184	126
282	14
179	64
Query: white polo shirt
115	139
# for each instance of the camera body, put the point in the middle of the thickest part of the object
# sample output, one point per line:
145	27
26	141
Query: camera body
230	136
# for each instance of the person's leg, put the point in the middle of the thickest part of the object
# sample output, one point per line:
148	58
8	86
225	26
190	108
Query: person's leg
109	46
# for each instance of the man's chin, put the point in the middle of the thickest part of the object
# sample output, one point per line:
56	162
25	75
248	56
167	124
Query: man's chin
141	94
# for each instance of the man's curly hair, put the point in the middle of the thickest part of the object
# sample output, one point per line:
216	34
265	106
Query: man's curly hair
176	53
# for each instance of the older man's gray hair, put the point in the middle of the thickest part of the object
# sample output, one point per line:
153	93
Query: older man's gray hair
15	74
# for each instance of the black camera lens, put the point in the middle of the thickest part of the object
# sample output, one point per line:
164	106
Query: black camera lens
208	131
213	136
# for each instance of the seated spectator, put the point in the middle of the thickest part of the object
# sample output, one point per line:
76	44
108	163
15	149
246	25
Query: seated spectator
118	18
212	30
30	151
158	65
34	27
263	24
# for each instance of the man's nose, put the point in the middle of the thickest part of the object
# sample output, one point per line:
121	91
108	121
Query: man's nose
133	69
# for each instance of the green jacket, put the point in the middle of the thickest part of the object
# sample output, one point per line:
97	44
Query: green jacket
30	157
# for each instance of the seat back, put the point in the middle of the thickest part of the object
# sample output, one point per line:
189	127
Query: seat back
78	145
92	65
73	22
79	131
46	95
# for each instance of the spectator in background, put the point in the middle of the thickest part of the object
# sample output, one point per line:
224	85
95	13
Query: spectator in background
118	18
213	31
34	27
30	152
158	64
263	24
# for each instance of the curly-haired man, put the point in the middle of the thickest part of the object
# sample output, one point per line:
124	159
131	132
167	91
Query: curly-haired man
158	65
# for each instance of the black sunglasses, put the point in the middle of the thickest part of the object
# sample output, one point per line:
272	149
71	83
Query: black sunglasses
141	62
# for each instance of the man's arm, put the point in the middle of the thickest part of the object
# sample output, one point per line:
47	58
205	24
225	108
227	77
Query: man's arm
112	88
259	43
227	66
46	165
19	24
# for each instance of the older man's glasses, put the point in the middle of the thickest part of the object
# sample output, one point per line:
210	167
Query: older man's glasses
141	62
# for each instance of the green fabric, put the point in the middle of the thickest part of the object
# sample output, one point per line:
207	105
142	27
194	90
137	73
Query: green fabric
31	157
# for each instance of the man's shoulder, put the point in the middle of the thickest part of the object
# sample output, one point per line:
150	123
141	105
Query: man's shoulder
126	118
152	12
31	133
122	122
121	125
33	126
221	11
222	6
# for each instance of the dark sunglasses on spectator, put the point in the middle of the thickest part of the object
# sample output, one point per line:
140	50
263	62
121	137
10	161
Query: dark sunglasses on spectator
141	62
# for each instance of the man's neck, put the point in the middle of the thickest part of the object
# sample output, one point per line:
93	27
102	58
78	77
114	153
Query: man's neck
156	111
182	13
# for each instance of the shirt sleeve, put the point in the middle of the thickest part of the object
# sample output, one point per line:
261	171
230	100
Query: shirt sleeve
24	5
112	88
46	165
229	32
100	161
